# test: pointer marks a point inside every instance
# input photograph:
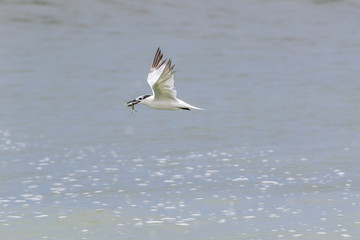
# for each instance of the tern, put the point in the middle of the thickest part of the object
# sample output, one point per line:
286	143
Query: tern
161	81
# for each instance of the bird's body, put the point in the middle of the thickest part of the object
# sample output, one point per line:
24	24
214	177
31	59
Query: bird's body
161	81
170	104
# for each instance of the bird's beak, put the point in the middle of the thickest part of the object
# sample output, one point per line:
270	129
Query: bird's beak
131	103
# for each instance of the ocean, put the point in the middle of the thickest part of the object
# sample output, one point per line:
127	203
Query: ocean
274	156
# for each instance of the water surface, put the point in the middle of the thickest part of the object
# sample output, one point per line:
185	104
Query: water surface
274	156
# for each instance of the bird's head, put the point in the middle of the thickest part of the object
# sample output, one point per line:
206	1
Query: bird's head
137	100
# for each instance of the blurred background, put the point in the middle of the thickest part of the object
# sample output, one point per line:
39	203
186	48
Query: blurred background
275	154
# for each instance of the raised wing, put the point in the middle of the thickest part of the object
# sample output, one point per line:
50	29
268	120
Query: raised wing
161	77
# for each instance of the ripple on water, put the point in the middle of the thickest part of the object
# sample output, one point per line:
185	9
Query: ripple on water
199	192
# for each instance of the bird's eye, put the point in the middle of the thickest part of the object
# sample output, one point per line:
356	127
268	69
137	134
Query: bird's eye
140	98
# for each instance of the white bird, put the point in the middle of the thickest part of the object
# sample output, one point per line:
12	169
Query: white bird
161	81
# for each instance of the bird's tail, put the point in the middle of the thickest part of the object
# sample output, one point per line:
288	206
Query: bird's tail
186	105
193	107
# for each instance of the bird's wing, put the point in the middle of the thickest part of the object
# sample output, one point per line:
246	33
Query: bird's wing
161	77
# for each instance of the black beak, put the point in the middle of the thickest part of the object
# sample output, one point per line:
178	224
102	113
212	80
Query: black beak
132	103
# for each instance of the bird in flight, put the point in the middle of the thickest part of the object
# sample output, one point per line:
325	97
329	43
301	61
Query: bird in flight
161	81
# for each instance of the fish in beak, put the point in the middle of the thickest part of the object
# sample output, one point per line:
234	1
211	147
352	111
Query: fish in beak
132	103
